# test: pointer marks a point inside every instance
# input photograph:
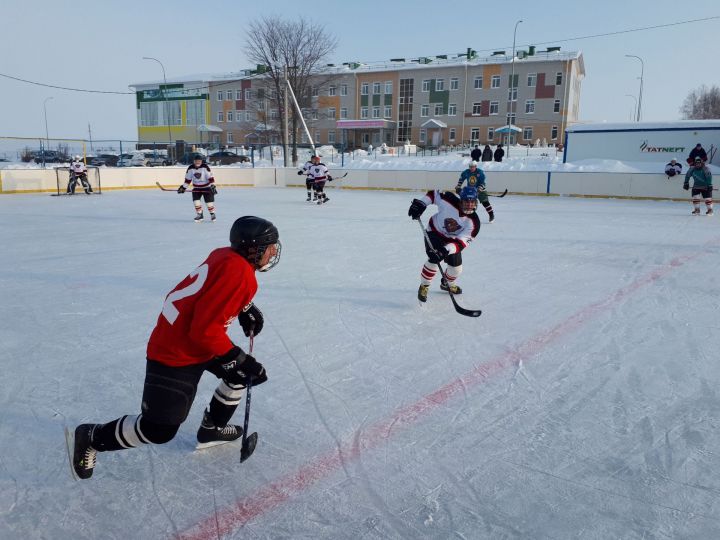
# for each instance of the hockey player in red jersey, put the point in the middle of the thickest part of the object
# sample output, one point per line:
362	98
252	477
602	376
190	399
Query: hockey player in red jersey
190	337
203	184
450	230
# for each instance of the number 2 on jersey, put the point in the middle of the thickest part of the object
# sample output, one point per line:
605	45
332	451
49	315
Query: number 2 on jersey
169	311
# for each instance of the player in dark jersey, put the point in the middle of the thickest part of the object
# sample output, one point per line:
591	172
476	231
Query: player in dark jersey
190	337
203	184
450	230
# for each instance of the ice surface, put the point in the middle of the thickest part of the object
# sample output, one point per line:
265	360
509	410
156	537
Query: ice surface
583	403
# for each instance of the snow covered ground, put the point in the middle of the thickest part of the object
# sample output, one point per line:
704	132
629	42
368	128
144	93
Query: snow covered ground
583	403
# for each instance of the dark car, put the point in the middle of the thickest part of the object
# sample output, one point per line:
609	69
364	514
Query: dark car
226	158
51	156
110	160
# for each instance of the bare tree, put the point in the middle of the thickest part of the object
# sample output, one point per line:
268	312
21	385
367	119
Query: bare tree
702	103
298	45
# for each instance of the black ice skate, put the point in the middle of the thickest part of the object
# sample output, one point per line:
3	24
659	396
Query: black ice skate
445	286
709	212
212	216
423	292
491	218
695	212
308	199
83	454
199	217
210	435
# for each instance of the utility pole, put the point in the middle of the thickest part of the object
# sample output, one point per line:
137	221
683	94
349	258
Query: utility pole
90	137
286	137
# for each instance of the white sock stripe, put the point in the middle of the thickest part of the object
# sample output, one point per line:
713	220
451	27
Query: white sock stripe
125	432
138	431
229	395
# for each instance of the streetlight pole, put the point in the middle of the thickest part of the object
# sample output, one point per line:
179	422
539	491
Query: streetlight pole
642	74
636	101
47	136
512	86
164	94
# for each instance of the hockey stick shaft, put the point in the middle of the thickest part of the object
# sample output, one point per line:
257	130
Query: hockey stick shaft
458	307
247	448
170	189
499	196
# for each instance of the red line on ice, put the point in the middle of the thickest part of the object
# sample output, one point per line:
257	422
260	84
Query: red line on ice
272	496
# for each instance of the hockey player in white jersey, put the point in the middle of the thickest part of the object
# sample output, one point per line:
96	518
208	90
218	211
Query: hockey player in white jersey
78	173
314	160
203	187
450	230
319	174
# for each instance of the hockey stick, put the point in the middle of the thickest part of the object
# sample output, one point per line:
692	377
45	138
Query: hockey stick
499	196
170	189
248	443
461	310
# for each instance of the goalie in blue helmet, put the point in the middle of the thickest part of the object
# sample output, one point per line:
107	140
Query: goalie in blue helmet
450	231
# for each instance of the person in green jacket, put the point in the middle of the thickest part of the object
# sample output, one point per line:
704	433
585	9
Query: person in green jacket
702	186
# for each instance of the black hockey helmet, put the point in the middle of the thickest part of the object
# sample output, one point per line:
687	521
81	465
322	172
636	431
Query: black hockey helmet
250	236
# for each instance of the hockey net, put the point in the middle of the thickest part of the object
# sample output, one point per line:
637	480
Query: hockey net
62	176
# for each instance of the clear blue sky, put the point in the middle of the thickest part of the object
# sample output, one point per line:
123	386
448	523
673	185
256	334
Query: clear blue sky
100	45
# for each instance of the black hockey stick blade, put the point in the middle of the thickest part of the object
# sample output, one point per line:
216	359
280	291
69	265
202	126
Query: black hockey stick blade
464	311
500	196
248	446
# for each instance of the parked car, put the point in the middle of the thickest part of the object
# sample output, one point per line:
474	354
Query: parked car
110	160
51	156
125	160
153	159
226	158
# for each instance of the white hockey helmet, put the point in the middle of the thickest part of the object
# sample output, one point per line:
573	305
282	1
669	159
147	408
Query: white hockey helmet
473	163
77	157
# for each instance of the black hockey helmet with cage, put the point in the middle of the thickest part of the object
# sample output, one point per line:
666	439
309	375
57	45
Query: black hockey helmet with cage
250	236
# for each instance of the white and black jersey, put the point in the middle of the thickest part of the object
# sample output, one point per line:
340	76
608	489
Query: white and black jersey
450	223
317	172
201	177
78	168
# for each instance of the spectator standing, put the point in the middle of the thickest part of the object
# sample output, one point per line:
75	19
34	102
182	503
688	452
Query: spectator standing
696	152
476	154
499	153
487	153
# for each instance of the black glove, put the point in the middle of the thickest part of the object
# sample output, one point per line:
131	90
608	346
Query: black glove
301	173
213	189
416	209
438	255
240	368
686	186
251	319
330	178
181	189
458	190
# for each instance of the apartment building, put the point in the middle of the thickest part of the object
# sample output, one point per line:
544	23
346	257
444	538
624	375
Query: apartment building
426	101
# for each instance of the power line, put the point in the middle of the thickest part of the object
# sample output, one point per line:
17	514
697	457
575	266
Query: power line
63	87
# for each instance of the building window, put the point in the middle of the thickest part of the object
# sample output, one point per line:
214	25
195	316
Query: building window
228	95
491	134
388	87
238	95
452	109
388	111
149	114
494	106
314	91
475	134
248	94
438	109
558	78
376	112
317	136
331	136
314	115
530	106
495	81
423	135
554	133
343	89
425	110
556	106
195	110
512	94
364	89
343	112
532	79
220	116
477	107
230	138
332	91
331	112
376	88
229	116
275	114
510	118
527	133
363	112
451	134
454	83
478	84
439	85
426	85
220	95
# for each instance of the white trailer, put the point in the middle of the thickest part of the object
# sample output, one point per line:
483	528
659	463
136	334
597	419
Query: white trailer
642	141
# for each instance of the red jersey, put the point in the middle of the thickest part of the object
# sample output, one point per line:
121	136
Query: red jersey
192	327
